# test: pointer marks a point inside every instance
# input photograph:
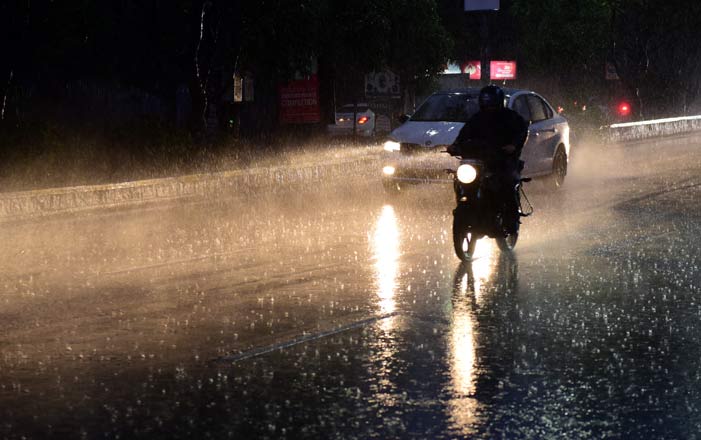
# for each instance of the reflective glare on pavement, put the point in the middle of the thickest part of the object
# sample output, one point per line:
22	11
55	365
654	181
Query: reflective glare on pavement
343	313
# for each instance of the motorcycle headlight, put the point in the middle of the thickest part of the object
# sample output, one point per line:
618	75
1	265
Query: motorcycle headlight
392	146
388	170
467	173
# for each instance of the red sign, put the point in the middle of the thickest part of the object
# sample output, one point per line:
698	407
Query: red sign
473	68
299	102
502	70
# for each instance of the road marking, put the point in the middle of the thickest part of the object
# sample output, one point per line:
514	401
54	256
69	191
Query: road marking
301	340
174	262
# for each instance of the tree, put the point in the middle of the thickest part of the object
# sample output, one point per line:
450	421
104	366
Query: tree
158	45
564	39
656	52
652	44
417	56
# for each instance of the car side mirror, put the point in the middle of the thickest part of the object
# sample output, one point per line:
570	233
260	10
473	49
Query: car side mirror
403	118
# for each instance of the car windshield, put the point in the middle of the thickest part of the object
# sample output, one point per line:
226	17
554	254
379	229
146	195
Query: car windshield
452	108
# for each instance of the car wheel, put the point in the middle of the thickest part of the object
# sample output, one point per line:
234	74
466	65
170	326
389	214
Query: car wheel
557	178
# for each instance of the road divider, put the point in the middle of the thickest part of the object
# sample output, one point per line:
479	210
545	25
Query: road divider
636	131
30	204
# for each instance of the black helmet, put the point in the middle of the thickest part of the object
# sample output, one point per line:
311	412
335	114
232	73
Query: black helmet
491	98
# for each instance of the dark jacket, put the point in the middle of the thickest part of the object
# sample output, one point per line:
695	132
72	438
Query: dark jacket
484	134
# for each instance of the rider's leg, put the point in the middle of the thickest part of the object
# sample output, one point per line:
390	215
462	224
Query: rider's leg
509	196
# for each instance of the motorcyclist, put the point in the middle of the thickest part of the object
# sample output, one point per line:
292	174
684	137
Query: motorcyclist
496	135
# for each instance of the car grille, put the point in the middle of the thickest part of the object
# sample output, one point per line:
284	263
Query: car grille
412	149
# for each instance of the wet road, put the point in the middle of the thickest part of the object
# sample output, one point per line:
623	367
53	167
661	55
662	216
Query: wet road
345	314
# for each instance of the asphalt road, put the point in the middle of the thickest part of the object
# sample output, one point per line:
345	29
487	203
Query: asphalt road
343	313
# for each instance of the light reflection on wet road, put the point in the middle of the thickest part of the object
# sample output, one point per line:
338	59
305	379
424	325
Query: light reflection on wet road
129	324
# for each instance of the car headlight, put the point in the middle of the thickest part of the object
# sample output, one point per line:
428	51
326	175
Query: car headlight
467	173
392	146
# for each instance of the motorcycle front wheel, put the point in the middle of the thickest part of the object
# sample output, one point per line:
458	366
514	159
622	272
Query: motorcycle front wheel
464	241
508	243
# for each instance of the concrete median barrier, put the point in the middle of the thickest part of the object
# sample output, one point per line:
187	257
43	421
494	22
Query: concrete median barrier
636	131
30	204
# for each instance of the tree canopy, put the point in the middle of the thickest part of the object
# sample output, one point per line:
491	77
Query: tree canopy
157	45
656	52
652	44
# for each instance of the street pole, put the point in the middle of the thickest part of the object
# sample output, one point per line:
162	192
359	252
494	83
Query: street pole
484	59
483	7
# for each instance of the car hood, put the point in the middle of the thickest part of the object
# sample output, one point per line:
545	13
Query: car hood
427	133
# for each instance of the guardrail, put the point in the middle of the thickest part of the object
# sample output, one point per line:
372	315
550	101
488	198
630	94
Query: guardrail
635	131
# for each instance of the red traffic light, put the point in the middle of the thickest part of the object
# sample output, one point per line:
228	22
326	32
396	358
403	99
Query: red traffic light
623	109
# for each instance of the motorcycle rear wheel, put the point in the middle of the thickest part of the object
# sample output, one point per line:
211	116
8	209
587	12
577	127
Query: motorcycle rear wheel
464	242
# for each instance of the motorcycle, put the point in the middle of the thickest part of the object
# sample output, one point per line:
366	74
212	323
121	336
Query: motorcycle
479	212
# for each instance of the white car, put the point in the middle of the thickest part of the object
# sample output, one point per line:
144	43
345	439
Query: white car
364	121
414	150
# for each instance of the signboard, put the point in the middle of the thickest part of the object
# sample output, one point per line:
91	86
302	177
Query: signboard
473	68
452	69
502	70
382	84
481	5
498	70
299	101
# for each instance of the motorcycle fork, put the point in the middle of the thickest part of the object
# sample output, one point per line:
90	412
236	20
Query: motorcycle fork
469	207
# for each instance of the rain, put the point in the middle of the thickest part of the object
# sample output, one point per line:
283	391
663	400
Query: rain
276	287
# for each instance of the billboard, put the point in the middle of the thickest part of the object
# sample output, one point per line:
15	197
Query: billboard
498	70
473	68
502	70
481	5
299	101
